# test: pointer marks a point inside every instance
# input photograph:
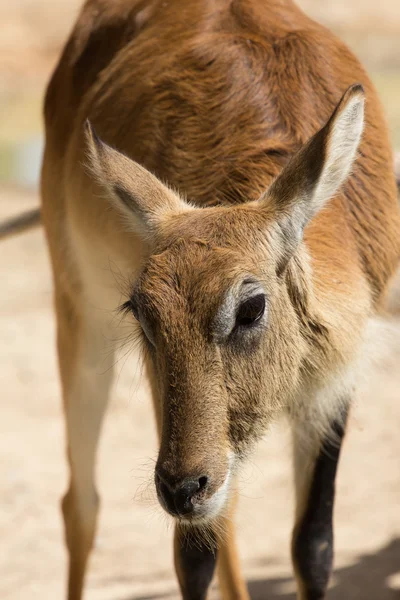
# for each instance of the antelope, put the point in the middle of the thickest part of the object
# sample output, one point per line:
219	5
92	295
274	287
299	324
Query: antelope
218	155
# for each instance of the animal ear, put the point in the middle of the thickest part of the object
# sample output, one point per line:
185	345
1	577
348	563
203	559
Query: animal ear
318	169
137	194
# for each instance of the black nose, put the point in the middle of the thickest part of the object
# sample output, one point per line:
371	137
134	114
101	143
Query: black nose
179	496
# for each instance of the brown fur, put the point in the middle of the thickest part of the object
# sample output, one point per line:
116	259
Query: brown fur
213	98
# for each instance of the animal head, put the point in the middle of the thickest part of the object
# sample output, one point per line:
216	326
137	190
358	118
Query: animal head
218	301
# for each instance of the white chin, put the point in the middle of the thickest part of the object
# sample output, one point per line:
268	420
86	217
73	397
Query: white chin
215	505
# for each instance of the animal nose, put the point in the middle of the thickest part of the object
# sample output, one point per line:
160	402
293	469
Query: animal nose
180	496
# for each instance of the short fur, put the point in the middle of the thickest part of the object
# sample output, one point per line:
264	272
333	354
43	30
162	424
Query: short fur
221	101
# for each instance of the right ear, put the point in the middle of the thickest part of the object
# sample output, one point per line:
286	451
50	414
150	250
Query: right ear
136	193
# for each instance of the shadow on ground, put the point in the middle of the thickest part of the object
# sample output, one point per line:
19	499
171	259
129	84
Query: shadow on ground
367	579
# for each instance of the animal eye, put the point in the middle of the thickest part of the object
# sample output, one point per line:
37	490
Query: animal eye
250	311
129	307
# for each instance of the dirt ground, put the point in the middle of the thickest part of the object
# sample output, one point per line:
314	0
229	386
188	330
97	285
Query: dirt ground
132	558
133	554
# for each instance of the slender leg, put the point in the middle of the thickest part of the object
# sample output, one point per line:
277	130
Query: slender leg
231	582
86	378
195	560
312	542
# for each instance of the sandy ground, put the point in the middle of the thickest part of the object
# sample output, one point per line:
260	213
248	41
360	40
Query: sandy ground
132	559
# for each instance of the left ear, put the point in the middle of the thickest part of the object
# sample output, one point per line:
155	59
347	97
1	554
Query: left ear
318	169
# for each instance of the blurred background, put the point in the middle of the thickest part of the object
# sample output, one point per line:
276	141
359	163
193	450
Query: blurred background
132	558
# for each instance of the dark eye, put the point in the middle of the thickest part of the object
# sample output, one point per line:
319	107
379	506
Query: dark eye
250	311
130	307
